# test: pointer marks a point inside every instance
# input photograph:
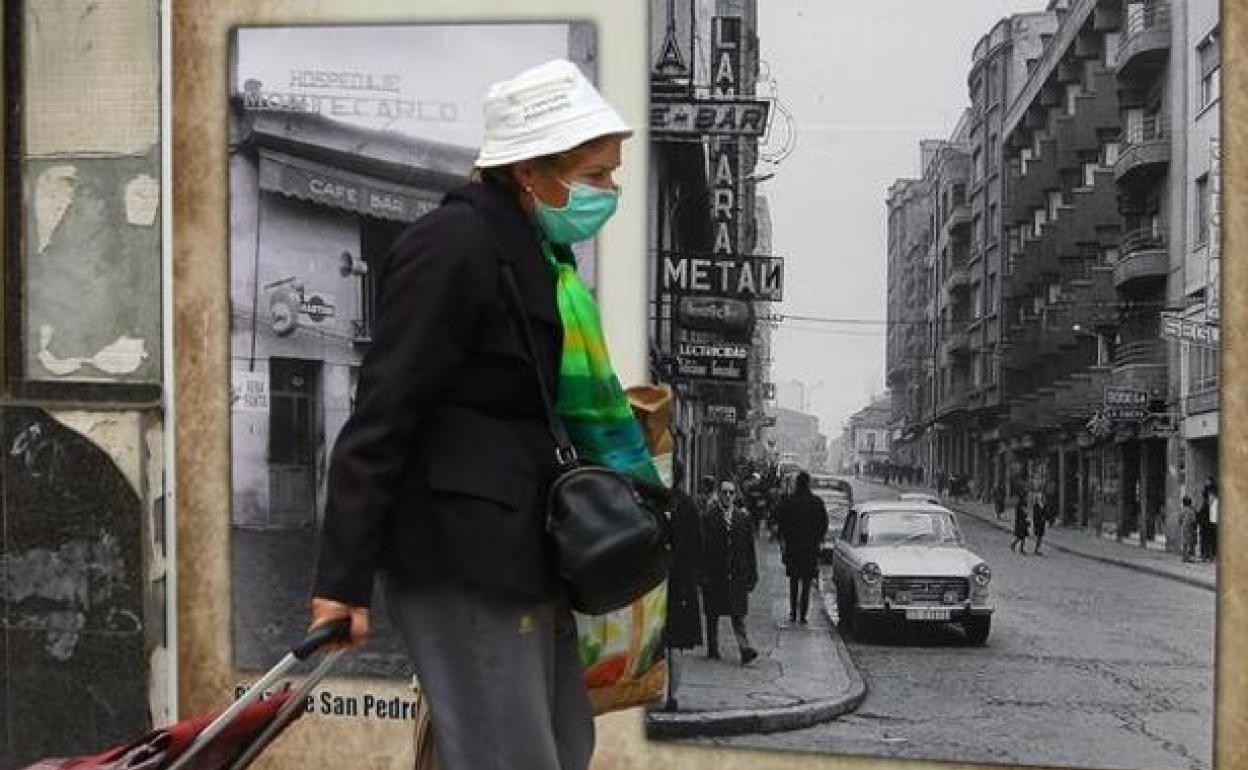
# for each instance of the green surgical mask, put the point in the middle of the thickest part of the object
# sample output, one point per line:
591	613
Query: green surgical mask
587	209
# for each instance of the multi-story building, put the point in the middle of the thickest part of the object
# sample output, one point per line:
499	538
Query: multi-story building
1195	251
946	264
1111	151
795	438
705	207
999	69
909	354
868	435
1062	235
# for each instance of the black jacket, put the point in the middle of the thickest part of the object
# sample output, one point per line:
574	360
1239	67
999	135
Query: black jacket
803	523
684	612
729	562
442	469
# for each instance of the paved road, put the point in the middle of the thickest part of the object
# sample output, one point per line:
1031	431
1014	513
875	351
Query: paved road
1088	665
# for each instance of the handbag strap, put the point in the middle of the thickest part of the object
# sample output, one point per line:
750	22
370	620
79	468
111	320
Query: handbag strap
565	452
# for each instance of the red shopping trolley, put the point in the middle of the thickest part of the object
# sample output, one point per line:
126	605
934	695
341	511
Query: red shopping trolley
225	740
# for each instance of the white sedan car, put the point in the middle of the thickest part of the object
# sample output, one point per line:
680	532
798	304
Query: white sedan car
906	560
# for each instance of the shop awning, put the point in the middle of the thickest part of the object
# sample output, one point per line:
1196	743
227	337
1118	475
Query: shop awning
318	183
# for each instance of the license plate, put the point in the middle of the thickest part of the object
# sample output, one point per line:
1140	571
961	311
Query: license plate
927	614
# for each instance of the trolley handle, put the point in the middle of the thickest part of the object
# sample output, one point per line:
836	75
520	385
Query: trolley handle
337	630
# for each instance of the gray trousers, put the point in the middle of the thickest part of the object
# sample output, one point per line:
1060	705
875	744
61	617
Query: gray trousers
503	678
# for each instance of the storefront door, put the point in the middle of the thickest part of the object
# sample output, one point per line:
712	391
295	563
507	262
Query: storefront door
294	437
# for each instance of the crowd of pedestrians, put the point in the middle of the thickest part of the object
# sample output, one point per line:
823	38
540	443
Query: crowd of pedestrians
715	564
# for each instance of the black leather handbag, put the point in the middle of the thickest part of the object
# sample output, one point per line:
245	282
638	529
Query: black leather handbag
611	530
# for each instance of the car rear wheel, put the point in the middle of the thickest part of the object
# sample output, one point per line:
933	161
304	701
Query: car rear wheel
977	628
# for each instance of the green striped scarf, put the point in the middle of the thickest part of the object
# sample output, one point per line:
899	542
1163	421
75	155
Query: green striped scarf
591	403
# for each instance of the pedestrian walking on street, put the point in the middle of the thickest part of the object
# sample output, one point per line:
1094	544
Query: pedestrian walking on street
1208	518
730	569
998	499
683	629
438	480
1021	527
1039	519
1187	527
803	523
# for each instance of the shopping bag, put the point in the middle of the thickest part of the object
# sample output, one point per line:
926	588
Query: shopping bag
622	651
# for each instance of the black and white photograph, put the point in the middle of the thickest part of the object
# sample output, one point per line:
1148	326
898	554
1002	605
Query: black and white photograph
936	286
339	138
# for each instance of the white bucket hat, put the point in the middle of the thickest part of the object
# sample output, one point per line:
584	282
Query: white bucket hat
542	111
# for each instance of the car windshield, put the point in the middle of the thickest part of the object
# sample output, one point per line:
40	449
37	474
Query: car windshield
910	527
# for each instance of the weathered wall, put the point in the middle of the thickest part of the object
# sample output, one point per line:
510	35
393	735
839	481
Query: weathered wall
84	574
83	655
91	170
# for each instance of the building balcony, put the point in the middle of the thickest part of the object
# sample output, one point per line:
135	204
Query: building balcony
1145	38
953	403
1097	111
1142	365
1145	149
960	216
955	341
1143	258
959	278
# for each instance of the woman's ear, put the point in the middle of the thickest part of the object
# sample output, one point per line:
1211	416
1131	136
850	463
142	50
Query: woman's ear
524	173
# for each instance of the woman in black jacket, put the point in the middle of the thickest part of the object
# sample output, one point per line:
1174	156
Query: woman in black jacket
438	480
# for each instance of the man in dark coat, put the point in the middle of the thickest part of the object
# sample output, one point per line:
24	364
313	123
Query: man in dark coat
731	571
683	629
803	523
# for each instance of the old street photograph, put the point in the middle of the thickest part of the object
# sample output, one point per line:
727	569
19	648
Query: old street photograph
936	286
339	138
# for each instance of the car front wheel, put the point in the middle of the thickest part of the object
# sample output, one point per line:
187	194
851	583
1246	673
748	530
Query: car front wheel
977	628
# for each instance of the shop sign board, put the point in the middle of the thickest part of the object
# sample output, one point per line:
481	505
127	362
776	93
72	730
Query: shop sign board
759	278
714	314
713	361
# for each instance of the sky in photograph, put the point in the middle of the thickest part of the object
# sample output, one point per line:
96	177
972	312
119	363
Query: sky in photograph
864	83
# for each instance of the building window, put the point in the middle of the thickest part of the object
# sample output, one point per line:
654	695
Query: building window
992	222
1072	98
1210	54
1055	203
1109	154
1200	216
1089	174
990	152
1202	368
1111	48
1039	222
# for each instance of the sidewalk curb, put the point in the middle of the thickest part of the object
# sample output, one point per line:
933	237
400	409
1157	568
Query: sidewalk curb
1145	568
662	724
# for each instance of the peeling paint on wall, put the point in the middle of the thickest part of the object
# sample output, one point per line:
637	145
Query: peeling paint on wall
54	189
122	357
93	290
154	440
116	434
74	578
79	626
142	200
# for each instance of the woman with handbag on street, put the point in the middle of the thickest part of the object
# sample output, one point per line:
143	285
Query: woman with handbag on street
438	481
